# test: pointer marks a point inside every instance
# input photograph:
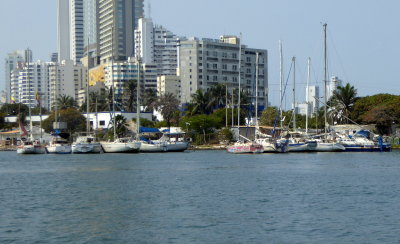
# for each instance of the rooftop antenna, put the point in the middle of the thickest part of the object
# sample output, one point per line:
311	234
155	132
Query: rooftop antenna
149	9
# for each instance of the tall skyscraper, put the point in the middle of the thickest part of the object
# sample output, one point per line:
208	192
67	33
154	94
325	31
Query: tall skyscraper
13	61
117	20
77	30
90	10
63	30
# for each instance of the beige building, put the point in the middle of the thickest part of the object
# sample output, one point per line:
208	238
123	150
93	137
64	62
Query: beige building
169	84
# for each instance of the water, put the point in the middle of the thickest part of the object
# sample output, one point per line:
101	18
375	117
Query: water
200	197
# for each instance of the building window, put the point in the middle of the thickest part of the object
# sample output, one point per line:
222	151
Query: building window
224	66
234	67
215	78
215	66
102	123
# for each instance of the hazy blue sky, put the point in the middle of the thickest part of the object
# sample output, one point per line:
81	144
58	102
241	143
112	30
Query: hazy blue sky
363	36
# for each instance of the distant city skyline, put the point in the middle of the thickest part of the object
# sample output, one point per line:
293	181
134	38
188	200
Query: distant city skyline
362	37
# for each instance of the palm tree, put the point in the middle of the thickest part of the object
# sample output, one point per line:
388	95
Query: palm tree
120	125
200	102
343	100
168	105
130	95
149	98
217	95
65	101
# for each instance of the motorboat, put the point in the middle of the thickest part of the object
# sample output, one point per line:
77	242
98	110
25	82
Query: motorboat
59	145
121	145
86	144
272	145
31	147
360	142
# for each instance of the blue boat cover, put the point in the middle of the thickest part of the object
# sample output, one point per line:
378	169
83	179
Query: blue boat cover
149	130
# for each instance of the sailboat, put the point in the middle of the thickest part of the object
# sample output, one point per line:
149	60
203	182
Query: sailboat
119	145
30	146
86	142
325	145
247	146
59	143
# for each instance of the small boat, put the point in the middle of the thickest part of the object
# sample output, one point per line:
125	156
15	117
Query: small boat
31	147
272	145
360	142
245	147
86	144
59	145
121	145
163	146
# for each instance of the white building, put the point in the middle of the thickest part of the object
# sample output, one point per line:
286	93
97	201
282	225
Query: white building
120	73
332	86
156	44
33	79
14	60
313	98
169	84
205	62
66	79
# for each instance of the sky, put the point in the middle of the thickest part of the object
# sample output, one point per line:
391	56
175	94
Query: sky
363	36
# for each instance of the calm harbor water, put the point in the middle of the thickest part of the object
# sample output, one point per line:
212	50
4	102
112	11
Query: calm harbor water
200	197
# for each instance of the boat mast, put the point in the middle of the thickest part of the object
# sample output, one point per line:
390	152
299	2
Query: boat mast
257	57
112	83
294	93
29	96
87	95
240	69
138	100
307	92
280	82
325	78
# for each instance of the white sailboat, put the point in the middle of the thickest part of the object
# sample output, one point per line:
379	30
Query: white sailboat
325	145
31	146
247	146
58	144
86	142
119	145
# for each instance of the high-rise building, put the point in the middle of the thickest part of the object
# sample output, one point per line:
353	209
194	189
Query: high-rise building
155	44
169	84
66	79
63	30
76	30
90	10
13	61
203	63
117	20
313	98
332	86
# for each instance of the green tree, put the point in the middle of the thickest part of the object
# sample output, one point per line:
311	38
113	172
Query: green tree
168	105
130	94
14	109
217	96
200	103
121	127
65	101
2	120
368	103
75	120
149	99
342	101
201	123
268	117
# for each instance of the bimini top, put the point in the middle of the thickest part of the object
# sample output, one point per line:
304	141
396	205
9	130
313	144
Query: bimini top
149	130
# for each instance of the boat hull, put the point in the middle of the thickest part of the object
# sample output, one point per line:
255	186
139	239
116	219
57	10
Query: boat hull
85	148
120	147
302	147
153	148
358	148
59	149
243	149
31	150
329	147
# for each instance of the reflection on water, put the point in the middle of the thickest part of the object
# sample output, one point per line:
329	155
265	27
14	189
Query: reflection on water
202	196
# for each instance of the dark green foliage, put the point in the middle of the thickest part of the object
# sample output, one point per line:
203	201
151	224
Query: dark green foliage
201	123
76	122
